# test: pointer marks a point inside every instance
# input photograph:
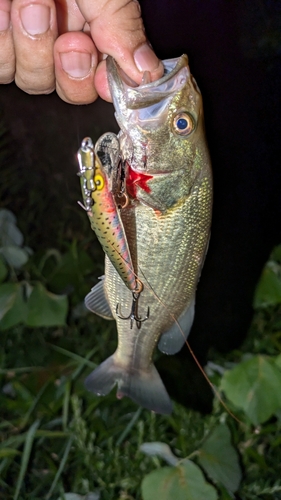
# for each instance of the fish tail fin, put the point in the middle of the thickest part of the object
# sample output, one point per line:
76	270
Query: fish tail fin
143	387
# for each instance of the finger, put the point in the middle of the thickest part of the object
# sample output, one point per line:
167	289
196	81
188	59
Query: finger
7	54
69	17
117	29
34	32
76	59
101	82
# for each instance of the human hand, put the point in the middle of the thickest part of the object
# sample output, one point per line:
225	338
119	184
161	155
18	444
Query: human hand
59	44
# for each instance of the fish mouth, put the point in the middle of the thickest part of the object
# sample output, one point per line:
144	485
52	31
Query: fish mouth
152	97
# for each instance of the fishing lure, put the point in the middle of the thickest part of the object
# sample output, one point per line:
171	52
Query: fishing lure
102	187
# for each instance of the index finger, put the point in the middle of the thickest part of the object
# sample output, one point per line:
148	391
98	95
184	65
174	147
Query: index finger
117	29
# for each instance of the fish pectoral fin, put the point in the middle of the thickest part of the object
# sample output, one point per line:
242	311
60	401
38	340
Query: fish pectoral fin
173	339
97	302
143	387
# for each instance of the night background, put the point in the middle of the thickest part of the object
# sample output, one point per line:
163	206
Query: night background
234	49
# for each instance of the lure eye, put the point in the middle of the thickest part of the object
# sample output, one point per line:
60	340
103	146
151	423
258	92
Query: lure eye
183	124
99	182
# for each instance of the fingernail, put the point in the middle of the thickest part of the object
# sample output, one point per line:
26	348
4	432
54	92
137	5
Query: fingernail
4	20
35	18
145	58
127	79
76	64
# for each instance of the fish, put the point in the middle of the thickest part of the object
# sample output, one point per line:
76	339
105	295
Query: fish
167	178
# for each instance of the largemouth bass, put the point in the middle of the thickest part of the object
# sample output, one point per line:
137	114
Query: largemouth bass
167	178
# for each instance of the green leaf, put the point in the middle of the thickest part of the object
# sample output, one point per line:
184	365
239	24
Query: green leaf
6	216
71	270
276	254
225	494
17	311
8	452
3	270
268	290
220	460
183	482
26	456
254	385
15	256
61	467
45	308
278	361
128	427
8	292
9	233
75	496
80	359
161	450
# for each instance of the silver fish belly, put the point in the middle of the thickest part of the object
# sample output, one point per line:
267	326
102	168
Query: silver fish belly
167	226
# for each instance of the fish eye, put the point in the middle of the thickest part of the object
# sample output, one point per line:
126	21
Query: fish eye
99	182
183	124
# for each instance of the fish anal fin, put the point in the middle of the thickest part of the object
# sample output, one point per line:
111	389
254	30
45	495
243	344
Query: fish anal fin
173	339
143	387
97	302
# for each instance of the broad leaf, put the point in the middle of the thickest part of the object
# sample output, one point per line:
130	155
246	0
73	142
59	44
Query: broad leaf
17	311
268	290
278	361
9	233
254	385
220	460
8	292
15	256
276	254
6	216
45	308
3	270
70	270
161	450
183	482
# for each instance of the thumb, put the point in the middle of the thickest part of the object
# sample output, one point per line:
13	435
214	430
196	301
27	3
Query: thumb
117	30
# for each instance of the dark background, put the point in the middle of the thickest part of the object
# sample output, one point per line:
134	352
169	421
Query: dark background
234	50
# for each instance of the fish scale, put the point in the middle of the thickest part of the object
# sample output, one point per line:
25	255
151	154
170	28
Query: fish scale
167	226
178	280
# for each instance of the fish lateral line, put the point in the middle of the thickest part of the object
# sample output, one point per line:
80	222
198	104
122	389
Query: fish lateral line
212	386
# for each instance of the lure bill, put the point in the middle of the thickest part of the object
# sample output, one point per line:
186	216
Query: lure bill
159	167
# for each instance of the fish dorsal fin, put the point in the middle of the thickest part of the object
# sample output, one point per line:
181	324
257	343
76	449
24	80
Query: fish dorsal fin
97	302
173	339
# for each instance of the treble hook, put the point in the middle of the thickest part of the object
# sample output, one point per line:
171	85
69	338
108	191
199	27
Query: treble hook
133	316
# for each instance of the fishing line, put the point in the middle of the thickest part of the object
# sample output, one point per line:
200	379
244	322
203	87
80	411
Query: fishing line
150	289
77	117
